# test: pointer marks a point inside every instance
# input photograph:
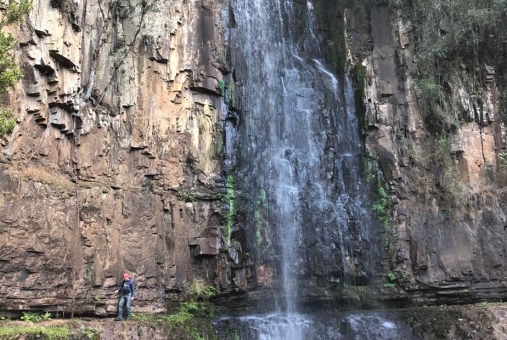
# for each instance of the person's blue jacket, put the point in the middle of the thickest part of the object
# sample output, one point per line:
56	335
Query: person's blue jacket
127	287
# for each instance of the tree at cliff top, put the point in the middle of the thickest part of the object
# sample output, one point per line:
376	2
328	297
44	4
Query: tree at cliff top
450	34
10	72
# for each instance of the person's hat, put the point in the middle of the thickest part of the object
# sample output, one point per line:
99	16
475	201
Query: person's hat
126	276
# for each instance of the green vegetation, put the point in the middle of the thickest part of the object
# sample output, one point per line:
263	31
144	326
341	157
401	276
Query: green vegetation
7	121
261	199
382	208
186	196
218	141
32	318
15	11
219	147
258	237
231	96
359	78
383	203
455	29
192	318
428	88
451	36
391	279
229	198
221	87
199	291
88	275
257	216
49	333
91	333
502	156
10	72
182	325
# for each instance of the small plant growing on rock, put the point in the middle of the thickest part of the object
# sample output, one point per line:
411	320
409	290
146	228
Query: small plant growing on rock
502	156
7	121
198	290
91	333
186	196
191	321
34	332
221	87
258	237
391	280
10	72
33	318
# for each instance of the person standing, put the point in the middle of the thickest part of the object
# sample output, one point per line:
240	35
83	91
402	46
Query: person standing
126	290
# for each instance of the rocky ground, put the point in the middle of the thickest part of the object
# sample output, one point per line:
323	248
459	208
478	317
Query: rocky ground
141	328
485	321
481	321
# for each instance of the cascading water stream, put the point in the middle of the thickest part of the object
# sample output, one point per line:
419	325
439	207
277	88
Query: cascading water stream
301	149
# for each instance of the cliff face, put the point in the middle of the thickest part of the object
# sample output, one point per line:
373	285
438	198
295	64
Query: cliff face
113	164
441	154
127	125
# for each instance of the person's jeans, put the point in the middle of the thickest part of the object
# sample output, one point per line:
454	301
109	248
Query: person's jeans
124	300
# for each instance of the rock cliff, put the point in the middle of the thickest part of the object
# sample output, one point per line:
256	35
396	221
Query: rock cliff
127	131
438	138
114	164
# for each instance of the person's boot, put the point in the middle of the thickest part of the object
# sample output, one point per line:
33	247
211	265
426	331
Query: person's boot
118	318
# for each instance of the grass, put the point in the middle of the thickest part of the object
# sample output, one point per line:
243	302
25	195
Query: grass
184	324
49	333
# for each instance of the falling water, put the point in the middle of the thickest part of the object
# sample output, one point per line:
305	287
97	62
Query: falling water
352	326
300	151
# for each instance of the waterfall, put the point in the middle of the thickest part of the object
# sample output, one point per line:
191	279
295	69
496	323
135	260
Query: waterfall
300	157
301	148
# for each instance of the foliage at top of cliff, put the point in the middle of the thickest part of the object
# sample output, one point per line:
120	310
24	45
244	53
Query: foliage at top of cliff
450	35
448	29
10	72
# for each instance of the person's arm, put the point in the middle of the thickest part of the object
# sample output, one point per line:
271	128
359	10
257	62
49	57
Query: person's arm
132	288
119	288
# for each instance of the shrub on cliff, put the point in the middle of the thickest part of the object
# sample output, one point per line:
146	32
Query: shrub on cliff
10	72
7	121
456	29
450	36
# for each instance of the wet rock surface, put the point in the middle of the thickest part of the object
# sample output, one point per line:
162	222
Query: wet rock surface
479	322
